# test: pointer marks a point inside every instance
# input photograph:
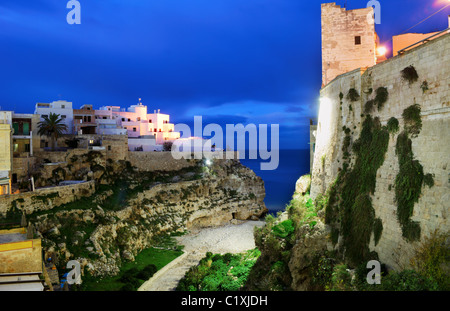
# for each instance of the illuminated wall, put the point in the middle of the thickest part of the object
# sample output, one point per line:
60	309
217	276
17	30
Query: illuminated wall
431	147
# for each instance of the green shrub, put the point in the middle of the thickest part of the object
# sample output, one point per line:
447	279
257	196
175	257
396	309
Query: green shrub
393	125
408	186
410	74
424	86
432	257
368	107
284	229
321	270
353	95
340	279
413	120
381	97
377	230
408	280
428	180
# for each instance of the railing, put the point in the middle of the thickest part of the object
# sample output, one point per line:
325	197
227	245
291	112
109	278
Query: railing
422	41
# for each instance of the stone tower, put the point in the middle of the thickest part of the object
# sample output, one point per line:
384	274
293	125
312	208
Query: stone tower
348	40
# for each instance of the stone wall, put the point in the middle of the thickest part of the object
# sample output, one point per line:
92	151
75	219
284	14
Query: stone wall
46	198
431	148
164	161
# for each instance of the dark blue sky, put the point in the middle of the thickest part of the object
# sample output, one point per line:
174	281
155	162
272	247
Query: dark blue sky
232	61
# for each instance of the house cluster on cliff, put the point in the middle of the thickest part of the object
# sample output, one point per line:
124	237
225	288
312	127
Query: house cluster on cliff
94	129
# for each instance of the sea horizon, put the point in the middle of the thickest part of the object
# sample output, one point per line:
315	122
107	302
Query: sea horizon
279	184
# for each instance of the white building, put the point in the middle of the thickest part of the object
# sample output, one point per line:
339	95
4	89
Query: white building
143	129
61	107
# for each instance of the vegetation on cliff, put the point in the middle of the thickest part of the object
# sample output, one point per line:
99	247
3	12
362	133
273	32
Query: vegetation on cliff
130	209
216	272
302	259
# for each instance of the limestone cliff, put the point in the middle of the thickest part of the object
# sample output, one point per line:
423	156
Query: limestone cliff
122	218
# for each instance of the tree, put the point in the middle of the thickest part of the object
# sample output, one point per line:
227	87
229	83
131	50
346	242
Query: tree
52	127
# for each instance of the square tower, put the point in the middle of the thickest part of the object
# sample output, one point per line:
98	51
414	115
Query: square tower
348	40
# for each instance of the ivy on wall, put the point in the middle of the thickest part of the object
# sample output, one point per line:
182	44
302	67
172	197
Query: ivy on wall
349	209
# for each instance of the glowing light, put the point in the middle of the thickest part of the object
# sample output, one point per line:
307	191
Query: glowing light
381	51
208	162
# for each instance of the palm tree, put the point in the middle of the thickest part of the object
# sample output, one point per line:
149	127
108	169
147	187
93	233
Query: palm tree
52	127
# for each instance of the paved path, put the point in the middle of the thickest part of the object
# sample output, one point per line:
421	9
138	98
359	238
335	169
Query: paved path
228	239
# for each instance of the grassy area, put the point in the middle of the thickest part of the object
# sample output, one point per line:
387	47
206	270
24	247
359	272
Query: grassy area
149	256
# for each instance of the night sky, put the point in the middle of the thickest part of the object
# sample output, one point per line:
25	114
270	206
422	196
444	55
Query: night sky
231	61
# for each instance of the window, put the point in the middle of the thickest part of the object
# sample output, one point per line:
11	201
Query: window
123	119
104	118
149	121
63	106
134	129
358	40
16	128
26	128
109	148
125	127
63	116
138	119
129	120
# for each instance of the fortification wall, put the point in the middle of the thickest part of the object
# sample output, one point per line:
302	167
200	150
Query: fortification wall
340	51
431	147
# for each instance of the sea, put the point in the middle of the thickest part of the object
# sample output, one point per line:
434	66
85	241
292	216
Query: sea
280	183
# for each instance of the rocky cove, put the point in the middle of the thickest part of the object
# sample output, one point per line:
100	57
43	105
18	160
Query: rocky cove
130	208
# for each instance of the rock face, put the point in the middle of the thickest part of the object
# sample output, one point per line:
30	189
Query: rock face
303	184
290	245
310	242
104	238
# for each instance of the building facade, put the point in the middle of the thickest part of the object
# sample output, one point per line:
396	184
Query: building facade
84	120
6	154
138	124
61	107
